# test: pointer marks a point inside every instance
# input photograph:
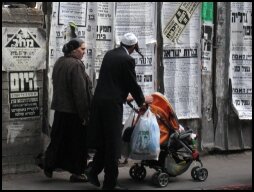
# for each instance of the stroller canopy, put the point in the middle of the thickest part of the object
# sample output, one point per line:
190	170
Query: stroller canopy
165	111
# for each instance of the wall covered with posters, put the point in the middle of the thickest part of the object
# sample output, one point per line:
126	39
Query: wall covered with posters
186	30
205	74
240	71
233	122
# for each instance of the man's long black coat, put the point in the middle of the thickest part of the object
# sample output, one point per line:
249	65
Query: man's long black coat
116	80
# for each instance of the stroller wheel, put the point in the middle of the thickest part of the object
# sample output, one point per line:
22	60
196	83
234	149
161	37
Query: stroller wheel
194	173
132	171
138	173
202	174
163	179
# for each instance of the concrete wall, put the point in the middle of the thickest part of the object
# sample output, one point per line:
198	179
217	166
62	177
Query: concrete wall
21	137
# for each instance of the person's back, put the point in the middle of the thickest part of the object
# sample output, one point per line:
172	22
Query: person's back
62	93
117	77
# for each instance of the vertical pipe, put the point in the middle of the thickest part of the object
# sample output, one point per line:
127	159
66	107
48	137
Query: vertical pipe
160	68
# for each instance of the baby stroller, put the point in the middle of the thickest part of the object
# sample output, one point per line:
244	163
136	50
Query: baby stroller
177	148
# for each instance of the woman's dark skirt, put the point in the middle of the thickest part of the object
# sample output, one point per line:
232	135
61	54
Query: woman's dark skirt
67	149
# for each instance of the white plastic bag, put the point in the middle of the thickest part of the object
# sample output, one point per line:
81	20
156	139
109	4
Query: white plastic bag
145	139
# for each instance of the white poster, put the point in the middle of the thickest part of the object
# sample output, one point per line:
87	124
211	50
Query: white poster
182	80
72	12
104	32
139	18
59	31
240	71
59	34
182	64
179	20
23	49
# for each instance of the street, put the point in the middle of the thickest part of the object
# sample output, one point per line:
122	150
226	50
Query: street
225	171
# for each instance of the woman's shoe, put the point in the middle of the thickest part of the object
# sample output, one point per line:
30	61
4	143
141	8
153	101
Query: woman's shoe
48	173
78	178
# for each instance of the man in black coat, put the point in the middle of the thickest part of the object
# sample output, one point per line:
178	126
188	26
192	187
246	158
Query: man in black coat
116	80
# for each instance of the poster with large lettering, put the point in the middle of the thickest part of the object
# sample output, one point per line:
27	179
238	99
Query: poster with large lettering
23	49
182	60
240	71
179	20
23	95
104	32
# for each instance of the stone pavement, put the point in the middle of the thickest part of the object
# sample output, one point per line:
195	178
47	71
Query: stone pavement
225	171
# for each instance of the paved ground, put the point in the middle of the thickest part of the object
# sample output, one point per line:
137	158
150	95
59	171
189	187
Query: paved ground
225	171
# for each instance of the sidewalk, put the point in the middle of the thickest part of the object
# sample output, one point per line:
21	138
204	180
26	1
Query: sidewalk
225	171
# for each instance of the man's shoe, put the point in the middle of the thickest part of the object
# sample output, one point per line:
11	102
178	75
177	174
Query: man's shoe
92	178
48	173
78	178
117	187
122	164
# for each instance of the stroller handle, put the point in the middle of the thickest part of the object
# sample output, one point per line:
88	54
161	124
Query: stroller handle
130	104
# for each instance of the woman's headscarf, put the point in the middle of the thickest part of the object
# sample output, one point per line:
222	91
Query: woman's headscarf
72	45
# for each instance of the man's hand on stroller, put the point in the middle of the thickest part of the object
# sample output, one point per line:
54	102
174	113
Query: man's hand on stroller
148	99
129	98
144	107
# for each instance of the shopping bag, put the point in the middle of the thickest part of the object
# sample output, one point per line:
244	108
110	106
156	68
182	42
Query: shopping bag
145	139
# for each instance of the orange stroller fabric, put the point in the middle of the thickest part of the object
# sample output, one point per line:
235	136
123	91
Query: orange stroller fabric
162	107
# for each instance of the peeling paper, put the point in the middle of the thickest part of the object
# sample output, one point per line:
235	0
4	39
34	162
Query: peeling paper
13	131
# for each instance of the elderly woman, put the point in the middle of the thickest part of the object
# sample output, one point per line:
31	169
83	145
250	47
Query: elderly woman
71	101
